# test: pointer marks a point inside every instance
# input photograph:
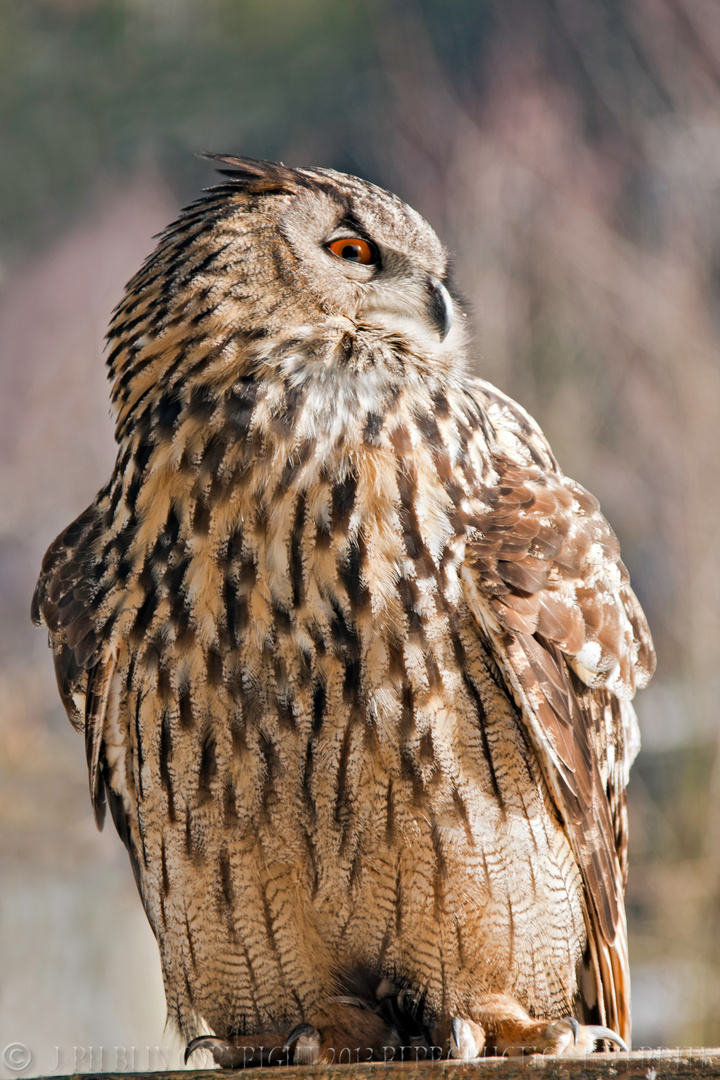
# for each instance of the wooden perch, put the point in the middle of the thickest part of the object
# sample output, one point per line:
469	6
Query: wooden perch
638	1065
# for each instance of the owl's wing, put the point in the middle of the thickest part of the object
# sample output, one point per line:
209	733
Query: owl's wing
544	579
68	600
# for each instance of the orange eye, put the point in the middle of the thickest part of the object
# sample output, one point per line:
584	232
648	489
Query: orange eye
353	249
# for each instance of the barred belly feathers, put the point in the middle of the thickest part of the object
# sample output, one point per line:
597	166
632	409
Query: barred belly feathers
352	657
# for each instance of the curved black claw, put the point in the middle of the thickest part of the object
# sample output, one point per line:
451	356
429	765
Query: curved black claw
306	1040
204	1042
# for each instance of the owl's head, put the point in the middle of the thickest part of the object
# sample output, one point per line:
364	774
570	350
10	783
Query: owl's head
287	271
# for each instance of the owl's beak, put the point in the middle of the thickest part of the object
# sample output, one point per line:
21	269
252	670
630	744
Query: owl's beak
440	306
409	303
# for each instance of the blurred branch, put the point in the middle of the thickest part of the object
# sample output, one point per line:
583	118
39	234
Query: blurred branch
696	43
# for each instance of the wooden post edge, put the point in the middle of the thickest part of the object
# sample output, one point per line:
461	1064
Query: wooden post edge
637	1065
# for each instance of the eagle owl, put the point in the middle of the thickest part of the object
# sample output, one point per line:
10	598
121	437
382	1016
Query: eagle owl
352	657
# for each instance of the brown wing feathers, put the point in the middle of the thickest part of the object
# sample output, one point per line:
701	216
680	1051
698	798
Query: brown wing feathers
547	565
64	601
550	565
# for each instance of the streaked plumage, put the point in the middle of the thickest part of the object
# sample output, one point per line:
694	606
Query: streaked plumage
353	658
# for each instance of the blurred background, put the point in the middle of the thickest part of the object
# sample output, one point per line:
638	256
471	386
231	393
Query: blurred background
568	153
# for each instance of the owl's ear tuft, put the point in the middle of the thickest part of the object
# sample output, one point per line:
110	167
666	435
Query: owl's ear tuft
255	175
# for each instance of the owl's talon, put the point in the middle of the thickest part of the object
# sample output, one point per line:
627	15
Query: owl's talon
244	1051
225	1053
306	1040
203	1042
466	1040
564	1037
598	1032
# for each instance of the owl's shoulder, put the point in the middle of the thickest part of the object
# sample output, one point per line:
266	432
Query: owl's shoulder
511	430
